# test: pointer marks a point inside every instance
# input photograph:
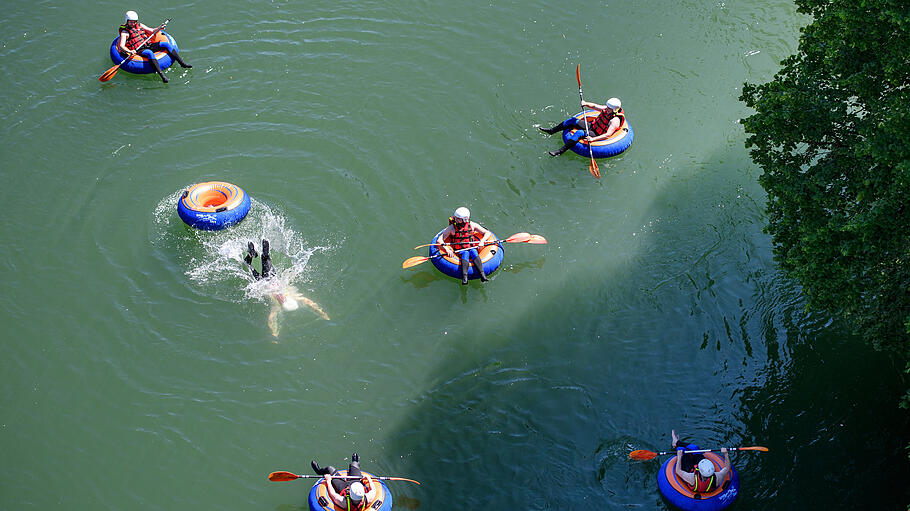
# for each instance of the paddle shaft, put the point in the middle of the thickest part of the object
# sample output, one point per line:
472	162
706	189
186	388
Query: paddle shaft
584	117
711	450
282	476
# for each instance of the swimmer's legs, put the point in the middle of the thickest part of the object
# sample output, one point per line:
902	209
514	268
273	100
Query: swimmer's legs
266	260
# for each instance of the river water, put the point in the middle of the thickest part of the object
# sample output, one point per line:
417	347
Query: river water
139	371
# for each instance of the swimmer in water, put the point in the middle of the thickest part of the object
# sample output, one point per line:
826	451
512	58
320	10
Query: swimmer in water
287	298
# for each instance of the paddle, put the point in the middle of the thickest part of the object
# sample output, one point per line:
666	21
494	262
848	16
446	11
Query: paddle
534	239
288	476
642	454
414	261
520	237
112	71
593	166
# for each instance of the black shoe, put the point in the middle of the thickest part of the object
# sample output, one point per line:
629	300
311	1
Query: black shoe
464	272
550	131
563	148
354	457
319	471
479	267
265	247
176	56
251	250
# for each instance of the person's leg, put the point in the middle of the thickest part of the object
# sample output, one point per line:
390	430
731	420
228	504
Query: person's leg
570	142
322	471
169	48
266	260
568	124
338	483
478	265
149	54
250	254
465	266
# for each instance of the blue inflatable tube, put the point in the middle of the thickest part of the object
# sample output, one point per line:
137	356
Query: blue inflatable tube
319	499
213	205
613	146
140	65
679	494
491	256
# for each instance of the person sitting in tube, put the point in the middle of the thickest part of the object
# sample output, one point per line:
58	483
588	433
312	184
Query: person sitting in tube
695	470
603	127
349	494
287	298
132	33
461	231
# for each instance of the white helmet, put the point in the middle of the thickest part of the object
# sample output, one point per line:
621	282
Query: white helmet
357	492
131	16
706	468
614	103
463	213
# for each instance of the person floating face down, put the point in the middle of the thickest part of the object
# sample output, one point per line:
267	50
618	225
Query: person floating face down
132	33
462	233
349	494
607	122
288	298
695	470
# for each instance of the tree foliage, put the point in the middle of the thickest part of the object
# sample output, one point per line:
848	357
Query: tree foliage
831	133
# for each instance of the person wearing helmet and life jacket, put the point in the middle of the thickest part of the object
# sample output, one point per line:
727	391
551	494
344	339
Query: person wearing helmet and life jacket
348	494
288	298
132	33
607	122
462	235
699	472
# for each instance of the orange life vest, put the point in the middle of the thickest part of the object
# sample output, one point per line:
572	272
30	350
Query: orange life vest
135	34
602	123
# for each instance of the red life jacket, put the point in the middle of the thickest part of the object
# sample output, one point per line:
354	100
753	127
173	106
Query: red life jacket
602	123
134	35
704	485
463	237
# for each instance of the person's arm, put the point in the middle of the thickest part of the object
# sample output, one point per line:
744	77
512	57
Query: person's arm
332	493
487	235
371	495
147	28
594	106
722	473
448	231
121	44
688	478
311	304
273	320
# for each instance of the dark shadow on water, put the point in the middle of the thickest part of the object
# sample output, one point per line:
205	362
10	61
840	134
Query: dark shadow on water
543	413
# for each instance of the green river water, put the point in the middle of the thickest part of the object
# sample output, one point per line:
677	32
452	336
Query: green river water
138	372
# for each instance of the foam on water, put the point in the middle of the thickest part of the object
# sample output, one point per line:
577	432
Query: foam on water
212	258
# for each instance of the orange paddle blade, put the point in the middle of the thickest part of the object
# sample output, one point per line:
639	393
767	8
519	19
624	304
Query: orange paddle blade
401	479
642	454
282	476
413	261
593	169
109	73
537	239
754	448
519	237
578	74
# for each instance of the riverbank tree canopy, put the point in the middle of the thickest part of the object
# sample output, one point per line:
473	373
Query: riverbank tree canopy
831	133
